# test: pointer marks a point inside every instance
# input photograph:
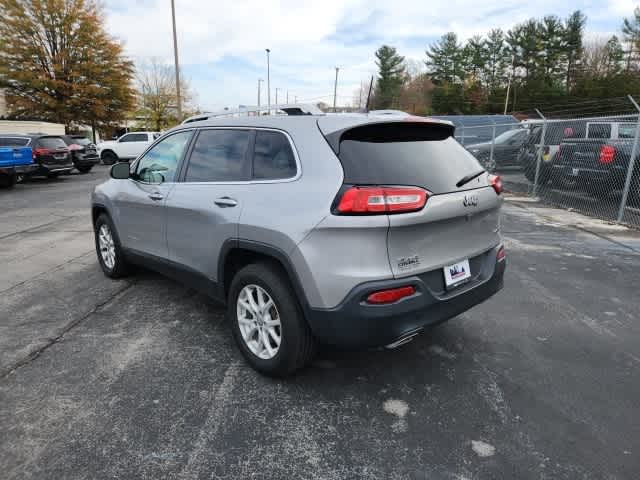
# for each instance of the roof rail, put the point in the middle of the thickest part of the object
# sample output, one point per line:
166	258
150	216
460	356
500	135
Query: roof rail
281	109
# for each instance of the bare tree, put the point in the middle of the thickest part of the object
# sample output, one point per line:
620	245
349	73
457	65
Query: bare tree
157	93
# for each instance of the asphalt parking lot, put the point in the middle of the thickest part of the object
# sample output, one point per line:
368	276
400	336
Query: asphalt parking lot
139	378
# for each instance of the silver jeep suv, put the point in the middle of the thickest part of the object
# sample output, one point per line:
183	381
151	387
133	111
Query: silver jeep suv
350	231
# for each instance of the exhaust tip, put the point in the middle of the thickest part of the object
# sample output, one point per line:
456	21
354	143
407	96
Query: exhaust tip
403	340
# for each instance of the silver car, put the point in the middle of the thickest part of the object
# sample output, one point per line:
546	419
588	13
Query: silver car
350	231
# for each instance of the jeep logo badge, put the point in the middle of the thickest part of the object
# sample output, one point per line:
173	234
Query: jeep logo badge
470	201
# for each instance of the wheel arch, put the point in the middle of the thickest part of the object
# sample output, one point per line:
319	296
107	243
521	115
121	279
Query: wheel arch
237	253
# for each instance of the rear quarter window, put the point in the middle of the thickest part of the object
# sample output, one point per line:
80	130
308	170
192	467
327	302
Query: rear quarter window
273	157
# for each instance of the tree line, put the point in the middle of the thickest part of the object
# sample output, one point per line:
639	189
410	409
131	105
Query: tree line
541	62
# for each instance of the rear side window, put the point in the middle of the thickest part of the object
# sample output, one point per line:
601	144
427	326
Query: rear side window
134	137
219	156
273	157
401	154
51	142
13	142
626	130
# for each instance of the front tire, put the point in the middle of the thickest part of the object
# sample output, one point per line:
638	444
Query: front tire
108	249
267	321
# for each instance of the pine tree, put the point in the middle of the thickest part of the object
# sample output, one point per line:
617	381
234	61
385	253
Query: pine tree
445	60
573	32
390	76
497	59
631	36
60	64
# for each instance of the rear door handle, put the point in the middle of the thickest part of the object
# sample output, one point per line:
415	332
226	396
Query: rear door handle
156	196
225	202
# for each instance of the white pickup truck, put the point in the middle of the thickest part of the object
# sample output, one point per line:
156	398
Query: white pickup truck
128	147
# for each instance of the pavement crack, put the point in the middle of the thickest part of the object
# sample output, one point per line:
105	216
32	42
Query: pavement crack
5	371
36	227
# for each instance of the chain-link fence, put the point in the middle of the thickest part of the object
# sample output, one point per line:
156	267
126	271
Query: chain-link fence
588	163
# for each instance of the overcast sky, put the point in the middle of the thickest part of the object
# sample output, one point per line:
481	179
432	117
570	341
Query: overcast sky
222	43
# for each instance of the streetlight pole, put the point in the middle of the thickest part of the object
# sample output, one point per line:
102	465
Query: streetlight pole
259	82
277	94
177	65
268	82
335	89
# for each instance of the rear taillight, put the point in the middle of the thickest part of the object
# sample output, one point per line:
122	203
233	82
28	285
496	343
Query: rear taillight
372	200
496	183
607	154
501	254
41	151
390	296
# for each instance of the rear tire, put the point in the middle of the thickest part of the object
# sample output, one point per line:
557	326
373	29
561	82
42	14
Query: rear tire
53	175
109	158
84	169
296	347
110	254
8	181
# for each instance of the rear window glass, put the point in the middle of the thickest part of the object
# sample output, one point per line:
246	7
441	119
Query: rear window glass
273	157
423	156
13	142
599	130
81	140
51	142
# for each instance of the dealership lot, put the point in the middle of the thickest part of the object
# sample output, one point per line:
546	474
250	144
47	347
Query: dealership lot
140	378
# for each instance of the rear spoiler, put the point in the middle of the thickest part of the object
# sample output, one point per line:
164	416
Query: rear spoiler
408	130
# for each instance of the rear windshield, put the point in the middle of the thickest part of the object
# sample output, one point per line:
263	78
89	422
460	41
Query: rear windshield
51	142
81	140
419	155
13	142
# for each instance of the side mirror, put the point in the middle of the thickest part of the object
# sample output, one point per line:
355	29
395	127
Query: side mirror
120	171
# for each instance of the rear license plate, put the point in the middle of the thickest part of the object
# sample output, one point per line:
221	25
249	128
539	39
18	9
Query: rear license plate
60	156
575	172
457	273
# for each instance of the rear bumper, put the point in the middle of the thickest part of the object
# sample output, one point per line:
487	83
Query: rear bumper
354	324
86	161
18	169
47	168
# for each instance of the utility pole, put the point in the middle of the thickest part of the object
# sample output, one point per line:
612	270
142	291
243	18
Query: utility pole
259	82
369	94
335	89
506	100
287	97
268	82
177	65
277	95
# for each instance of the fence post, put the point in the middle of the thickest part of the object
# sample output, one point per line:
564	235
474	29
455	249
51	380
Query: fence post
493	143
632	162
540	150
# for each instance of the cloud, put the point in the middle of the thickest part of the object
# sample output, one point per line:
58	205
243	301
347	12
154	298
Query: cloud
222	44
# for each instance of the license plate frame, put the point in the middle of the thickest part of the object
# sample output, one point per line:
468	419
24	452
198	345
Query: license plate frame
457	273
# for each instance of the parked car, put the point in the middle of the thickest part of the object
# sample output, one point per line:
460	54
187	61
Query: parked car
555	133
125	148
506	148
602	158
83	152
50	153
307	231
15	160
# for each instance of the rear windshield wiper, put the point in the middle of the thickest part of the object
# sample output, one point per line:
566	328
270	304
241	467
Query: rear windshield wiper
467	178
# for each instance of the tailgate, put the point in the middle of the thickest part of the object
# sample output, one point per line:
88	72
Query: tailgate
450	228
14	156
584	154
